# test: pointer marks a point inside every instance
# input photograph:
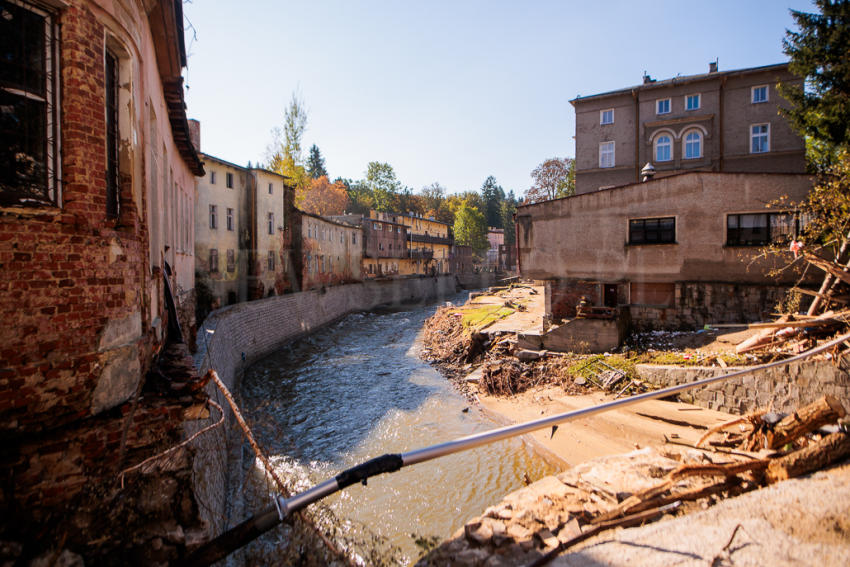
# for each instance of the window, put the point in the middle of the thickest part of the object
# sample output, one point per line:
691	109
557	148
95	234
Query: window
354	239
606	116
391	245
759	94
759	138
213	216
229	219
692	102
376	225
271	188
663	148
758	229
606	154
28	115
213	260
231	261
652	231
271	223
693	145
112	180
212	177
662	106
271	260
228	180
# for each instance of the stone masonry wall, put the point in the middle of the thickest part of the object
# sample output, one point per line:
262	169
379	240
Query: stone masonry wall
783	388
245	333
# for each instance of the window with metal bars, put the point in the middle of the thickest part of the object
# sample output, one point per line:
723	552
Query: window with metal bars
28	114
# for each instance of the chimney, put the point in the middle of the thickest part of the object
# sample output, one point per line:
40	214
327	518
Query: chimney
648	172
712	67
195	134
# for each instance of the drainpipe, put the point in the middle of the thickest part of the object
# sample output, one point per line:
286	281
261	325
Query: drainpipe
637	135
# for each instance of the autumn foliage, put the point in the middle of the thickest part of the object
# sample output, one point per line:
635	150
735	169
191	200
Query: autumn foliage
324	198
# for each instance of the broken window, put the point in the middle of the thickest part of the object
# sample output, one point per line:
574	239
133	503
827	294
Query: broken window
28	115
760	229
652	231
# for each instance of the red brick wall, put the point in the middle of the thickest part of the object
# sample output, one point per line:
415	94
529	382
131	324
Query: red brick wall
68	270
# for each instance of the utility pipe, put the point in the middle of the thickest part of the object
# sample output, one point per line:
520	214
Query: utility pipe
255	526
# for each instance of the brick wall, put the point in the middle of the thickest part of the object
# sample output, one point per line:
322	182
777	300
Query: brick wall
783	388
242	334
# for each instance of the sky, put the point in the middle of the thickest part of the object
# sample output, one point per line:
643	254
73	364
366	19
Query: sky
447	91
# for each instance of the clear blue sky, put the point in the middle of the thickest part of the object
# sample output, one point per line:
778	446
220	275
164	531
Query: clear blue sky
448	91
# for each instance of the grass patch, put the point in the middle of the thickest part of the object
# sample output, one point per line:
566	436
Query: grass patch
688	359
583	367
481	316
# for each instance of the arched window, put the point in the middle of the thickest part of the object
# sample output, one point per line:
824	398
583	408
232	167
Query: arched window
693	145
663	147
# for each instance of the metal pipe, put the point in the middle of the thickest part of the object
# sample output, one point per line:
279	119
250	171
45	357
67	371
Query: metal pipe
284	507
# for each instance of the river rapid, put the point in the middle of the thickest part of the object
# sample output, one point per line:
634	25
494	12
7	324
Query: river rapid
357	390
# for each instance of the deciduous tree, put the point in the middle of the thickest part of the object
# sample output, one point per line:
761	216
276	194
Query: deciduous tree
382	182
325	198
470	228
553	179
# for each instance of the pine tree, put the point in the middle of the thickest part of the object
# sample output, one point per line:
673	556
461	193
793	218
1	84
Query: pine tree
316	163
820	54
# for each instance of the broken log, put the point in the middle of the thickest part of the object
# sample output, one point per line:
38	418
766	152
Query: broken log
805	420
833	268
816	456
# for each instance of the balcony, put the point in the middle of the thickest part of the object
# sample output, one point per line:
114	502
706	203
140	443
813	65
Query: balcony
428	239
421	254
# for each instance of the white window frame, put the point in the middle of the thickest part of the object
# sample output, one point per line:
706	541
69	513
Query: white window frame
602	113
685	144
669	147
766	135
603	151
658	106
688	98
755	89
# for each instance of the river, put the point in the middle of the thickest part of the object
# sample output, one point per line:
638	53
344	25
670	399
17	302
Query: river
358	389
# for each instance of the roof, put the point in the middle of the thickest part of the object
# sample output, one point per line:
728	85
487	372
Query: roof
681	80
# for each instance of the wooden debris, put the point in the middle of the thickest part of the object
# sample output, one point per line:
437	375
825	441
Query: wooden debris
805	420
816	456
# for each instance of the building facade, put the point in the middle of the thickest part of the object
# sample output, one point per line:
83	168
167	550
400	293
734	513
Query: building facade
96	242
429	243
330	251
722	121
683	250
240	222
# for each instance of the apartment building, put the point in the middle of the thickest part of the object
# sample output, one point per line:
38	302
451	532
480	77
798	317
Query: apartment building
429	243
721	121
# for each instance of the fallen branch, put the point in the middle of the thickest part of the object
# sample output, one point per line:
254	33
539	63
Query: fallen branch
828	450
805	420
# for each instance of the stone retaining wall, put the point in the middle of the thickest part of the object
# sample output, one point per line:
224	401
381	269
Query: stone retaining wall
783	388
234	337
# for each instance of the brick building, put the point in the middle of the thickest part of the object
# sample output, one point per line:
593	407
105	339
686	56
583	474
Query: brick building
725	121
96	245
429	243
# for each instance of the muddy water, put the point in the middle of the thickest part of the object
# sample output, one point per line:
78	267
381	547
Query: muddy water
358	390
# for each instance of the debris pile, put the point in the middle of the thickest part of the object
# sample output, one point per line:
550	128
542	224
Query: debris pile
535	524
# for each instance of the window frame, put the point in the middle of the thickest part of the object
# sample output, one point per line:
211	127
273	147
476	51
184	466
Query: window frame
228	180
604	152
765	135
769	238
231	260
271	223
669	146
271	188
689	97
602	113
230	224
212	177
213	217
639	226
111	66
669	105
213	261
686	142
46	190
758	88
271	261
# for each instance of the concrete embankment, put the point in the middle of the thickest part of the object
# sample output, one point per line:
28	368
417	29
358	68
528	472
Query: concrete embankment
232	338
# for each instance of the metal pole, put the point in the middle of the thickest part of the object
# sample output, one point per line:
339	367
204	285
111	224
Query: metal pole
393	462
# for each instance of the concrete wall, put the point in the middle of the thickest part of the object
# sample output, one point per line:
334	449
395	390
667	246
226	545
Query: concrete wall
783	389
586	236
247	332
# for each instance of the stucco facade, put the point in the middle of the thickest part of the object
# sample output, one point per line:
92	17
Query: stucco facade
331	251
718	121
429	243
633	245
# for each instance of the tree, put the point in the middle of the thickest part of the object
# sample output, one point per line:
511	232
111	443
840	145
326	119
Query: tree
435	204
493	195
360	199
382	182
283	154
316	163
325	198
507	210
820	108
553	179
470	227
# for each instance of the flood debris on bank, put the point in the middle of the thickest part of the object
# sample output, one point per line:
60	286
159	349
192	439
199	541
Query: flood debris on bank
537	523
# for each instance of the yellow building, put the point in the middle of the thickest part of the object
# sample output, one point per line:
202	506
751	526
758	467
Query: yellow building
429	243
